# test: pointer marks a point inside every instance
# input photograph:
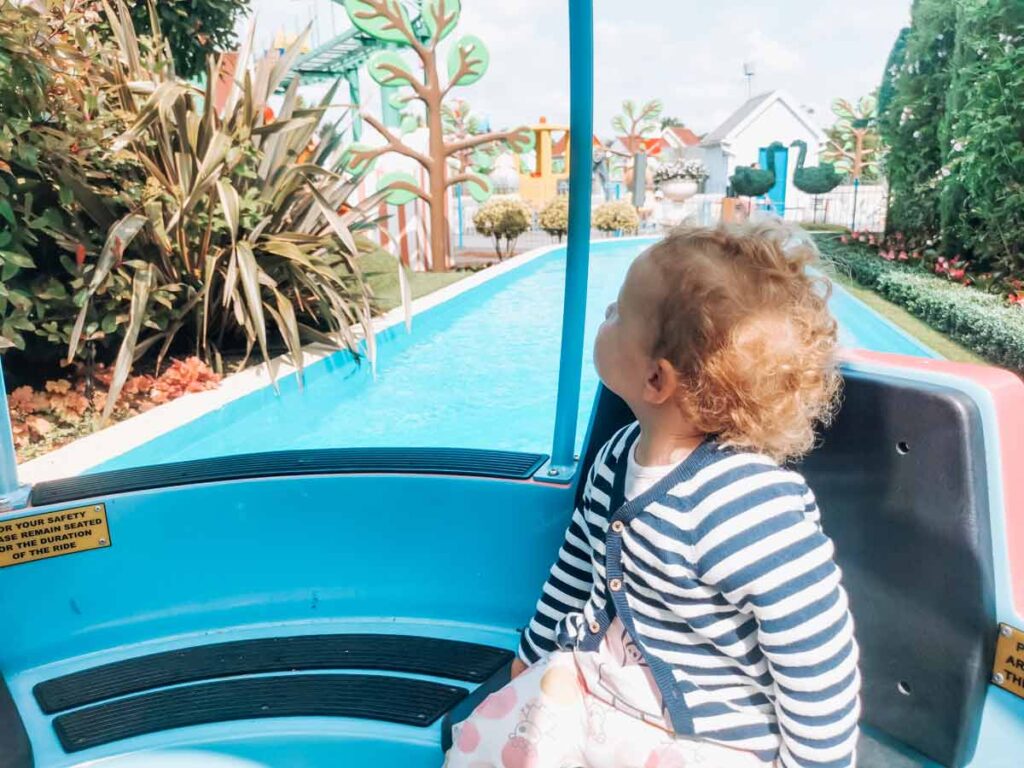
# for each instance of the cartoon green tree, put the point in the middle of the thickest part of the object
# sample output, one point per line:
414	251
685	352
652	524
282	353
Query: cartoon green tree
854	145
388	21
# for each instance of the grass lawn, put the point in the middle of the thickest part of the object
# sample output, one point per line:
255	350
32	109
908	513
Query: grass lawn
381	272
916	328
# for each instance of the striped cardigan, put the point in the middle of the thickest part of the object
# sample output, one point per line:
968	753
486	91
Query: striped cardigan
722	575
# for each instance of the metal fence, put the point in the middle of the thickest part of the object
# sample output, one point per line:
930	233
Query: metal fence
863	207
857	207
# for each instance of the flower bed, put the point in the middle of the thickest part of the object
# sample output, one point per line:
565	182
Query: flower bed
986	323
43	420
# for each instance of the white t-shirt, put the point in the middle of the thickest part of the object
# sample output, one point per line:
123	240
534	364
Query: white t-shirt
616	672
639	477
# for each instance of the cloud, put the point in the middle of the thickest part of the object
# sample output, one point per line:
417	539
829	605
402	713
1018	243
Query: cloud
771	54
687	53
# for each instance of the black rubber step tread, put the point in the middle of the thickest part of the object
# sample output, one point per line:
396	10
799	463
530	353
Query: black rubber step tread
431	656
328	461
374	697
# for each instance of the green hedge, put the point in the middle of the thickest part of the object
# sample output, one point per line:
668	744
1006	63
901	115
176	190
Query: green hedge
982	322
951	109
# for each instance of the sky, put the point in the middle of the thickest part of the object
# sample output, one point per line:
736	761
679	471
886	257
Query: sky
688	53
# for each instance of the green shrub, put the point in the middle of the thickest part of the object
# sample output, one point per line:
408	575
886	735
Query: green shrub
983	213
554	217
616	216
982	322
194	29
141	220
953	98
503	218
60	186
915	106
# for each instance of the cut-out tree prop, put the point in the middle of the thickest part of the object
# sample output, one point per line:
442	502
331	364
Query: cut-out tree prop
633	126
389	21
855	145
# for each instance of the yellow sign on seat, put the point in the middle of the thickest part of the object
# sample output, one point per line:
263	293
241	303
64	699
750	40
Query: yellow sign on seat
1008	671
53	534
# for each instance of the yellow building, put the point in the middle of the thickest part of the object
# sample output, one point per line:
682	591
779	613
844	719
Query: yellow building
541	184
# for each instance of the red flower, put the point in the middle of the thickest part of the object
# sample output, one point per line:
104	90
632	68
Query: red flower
844	239
957	274
856	235
1016	298
80	255
903	256
888	255
871	240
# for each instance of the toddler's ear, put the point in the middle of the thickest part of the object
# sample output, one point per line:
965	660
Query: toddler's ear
662	382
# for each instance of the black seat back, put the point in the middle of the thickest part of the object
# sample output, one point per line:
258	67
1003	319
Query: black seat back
901	480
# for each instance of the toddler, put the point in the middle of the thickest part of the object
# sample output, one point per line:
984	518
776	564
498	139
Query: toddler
694	616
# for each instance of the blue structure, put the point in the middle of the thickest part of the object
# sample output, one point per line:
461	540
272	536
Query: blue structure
335	607
777	194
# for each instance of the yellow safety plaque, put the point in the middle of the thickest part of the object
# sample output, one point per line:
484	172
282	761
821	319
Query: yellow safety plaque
53	534
1008	672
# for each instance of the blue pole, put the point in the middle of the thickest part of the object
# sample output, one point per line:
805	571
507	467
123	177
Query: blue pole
11	492
581	131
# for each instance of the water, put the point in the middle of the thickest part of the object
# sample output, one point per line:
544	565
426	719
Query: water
479	371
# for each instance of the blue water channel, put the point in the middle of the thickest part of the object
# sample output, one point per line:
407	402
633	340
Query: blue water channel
478	371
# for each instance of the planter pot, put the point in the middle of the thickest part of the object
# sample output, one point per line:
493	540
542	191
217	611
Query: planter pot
679	190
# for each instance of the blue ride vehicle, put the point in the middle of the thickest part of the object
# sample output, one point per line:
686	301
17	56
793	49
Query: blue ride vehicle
343	607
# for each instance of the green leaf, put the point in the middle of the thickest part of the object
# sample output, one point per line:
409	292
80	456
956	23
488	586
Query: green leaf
109	322
389	69
348	162
479	188
392	26
521	140
230	205
468	61
141	284
119	237
335	221
7	212
409	124
17	259
399	196
118	240
9	270
250	275
482	161
436	12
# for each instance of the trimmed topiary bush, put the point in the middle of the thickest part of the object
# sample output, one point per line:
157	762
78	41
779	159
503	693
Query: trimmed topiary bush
616	216
554	217
503	218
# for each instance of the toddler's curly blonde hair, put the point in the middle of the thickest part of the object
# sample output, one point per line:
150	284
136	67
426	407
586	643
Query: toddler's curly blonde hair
749	332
